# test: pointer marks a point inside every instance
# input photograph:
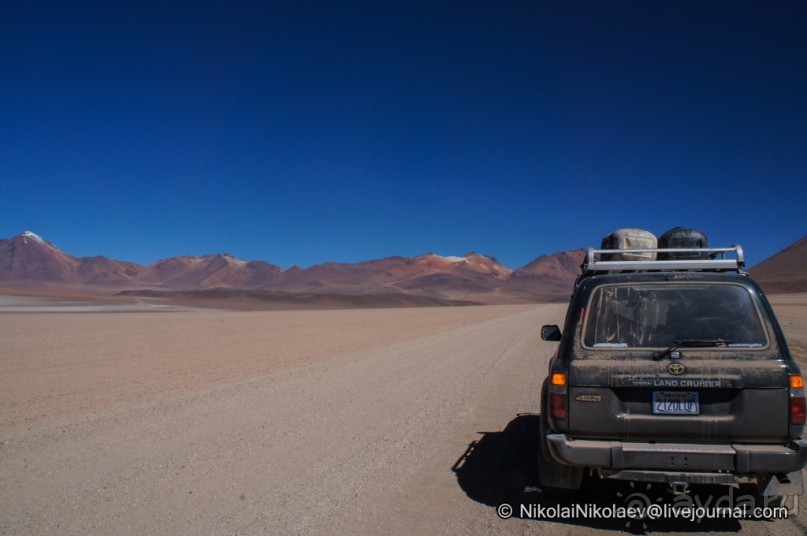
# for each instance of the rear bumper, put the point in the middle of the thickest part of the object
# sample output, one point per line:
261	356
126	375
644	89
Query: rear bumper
734	458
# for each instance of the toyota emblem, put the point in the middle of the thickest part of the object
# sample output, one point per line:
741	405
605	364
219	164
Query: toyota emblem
675	368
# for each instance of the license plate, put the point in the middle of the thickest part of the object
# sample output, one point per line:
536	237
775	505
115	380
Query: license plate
675	403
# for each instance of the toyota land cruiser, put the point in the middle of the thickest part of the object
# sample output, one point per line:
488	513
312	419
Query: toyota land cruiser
672	371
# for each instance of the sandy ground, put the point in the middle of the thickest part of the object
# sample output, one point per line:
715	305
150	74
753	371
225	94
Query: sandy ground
398	421
791	311
55	364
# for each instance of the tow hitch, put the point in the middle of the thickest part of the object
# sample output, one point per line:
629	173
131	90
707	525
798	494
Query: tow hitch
679	488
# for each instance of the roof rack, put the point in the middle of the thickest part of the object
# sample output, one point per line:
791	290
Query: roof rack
716	260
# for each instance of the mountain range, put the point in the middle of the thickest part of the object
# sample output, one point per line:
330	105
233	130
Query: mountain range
28	260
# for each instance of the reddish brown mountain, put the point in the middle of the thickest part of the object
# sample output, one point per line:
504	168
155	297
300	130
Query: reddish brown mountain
472	275
29	258
208	271
425	274
784	271
339	276
106	272
549	277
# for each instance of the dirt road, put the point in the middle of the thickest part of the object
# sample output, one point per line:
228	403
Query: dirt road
407	422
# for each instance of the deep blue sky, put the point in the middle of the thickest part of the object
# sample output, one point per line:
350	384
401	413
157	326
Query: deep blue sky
300	132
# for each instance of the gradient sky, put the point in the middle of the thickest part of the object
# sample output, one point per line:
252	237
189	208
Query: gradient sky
299	132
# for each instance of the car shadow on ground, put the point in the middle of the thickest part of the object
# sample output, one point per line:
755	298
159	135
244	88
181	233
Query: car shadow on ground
502	468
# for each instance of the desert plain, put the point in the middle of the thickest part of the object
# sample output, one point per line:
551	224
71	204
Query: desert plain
143	419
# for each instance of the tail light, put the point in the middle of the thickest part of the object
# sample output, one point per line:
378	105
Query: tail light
557	396
798	405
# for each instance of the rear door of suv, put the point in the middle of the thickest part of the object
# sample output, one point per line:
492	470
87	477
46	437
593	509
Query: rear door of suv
676	361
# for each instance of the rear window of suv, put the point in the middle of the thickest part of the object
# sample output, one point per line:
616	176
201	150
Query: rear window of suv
656	316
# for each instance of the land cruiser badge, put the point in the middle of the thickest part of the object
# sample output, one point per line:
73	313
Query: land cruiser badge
589	398
675	368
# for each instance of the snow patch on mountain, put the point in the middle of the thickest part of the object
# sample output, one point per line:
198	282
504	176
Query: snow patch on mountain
33	236
446	258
